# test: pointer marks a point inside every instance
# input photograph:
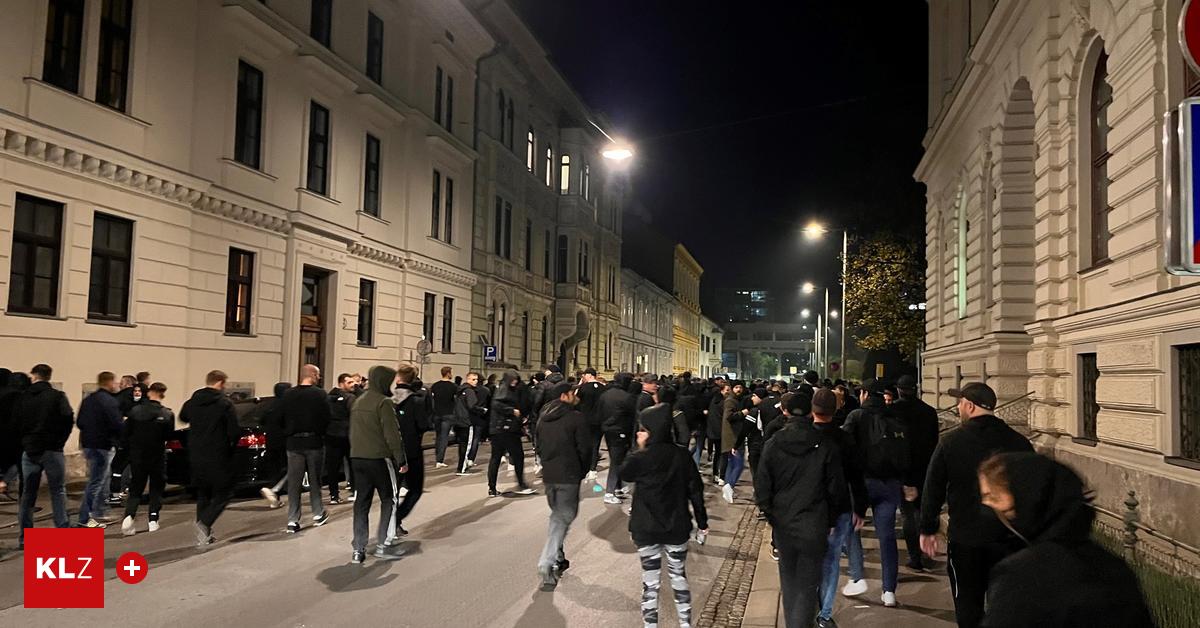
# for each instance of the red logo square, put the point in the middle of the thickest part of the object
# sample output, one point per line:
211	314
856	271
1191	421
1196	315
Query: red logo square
64	568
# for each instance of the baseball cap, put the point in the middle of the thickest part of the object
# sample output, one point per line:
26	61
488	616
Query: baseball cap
560	389
906	382
589	371
553	368
798	405
824	402
977	393
873	386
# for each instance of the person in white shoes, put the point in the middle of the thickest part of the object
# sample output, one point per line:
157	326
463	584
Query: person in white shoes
144	435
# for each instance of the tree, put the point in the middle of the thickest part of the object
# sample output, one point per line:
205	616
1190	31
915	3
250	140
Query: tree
885	281
758	364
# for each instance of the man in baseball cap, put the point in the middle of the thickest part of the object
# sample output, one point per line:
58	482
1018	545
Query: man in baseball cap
977	393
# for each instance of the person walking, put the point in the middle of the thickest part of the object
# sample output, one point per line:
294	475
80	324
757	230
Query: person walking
509	407
479	415
145	433
733	420
337	436
615	407
466	411
668	481
44	419
412	410
564	444
588	393
377	454
12	387
977	541
212	438
100	425
443	391
921	420
276	457
305	413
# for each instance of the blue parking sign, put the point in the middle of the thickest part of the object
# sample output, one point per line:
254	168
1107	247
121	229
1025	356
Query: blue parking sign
489	353
1184	235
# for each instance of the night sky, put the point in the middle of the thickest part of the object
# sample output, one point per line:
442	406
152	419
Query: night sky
749	121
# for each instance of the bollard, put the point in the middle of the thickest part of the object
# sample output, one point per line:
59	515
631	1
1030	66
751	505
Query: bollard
1129	539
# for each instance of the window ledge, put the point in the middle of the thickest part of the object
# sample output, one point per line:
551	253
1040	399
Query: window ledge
234	335
443	242
1080	440
365	346
100	321
33	80
252	170
1095	268
372	217
48	317
1186	463
309	192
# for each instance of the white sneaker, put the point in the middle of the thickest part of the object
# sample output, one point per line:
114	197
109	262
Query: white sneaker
402	492
855	587
127	526
92	523
727	493
271	497
470	463
609	498
591	476
440	465
889	599
154	526
720	482
511	468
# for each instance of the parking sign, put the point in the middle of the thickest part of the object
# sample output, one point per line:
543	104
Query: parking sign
489	353
1183	235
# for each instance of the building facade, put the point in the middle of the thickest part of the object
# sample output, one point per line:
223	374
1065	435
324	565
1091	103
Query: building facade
686	328
768	349
546	245
1046	230
646	343
711	343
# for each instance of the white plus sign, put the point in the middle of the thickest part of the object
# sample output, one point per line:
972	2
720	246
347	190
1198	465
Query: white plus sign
132	568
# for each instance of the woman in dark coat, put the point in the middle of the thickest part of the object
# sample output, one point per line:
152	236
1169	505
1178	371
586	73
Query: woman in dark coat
1062	578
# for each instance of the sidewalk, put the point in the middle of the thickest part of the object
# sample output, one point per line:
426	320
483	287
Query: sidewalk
924	598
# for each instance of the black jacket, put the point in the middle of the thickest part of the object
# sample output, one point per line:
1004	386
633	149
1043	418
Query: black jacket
540	394
859	424
856	498
713	421
443	392
922	433
1062	577
340	403
799	484
661	413
510	396
146	430
953	477
99	421
564	443
272	418
615	408
45	418
644	400
212	437
667	481
305	413
10	432
589	398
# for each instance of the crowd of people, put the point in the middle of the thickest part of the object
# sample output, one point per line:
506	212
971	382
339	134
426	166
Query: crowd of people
820	454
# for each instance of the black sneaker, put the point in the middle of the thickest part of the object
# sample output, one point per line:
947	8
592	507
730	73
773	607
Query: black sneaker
493	492
562	565
292	528
826	623
917	566
358	558
400	531
335	500
320	521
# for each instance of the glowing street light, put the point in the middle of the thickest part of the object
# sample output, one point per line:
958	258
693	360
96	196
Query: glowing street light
805	313
814	230
833	314
808	287
618	152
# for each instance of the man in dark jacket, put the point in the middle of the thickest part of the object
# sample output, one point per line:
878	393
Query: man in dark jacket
564	443
977	540
851	510
378	452
510	406
410	401
45	420
615	409
922	422
337	435
10	437
212	437
1062	577
588	393
145	433
443	392
479	415
99	426
800	487
667	482
305	413
272	422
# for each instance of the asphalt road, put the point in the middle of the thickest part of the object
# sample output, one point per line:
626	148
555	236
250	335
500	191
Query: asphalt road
471	561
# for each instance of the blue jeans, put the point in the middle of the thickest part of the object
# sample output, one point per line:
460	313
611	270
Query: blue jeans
842	531
698	447
733	470
885	497
52	463
95	494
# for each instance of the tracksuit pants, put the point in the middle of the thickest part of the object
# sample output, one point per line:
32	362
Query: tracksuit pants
373	475
478	434
414	481
968	567
506	443
337	452
465	435
147	469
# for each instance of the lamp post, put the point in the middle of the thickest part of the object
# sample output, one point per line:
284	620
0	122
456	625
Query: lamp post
813	231
822	337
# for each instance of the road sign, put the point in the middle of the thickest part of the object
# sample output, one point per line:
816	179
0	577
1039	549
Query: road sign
1183	237
489	353
1189	33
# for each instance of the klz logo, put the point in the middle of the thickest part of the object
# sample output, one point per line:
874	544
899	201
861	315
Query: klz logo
64	568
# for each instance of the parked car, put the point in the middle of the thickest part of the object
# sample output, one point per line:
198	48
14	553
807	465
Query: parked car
251	466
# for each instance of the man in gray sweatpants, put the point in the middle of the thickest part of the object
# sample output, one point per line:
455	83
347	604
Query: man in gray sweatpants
564	443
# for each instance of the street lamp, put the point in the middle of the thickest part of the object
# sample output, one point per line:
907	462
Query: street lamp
833	314
813	231
618	152
805	313
822	337
808	287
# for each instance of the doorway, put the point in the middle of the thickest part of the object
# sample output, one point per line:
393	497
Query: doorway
314	316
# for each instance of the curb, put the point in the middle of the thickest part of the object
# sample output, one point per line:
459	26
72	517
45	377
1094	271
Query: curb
762	609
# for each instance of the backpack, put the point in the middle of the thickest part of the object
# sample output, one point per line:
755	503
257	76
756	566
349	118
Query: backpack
888	446
462	408
419	406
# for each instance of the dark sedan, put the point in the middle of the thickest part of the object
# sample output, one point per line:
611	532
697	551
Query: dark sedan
252	468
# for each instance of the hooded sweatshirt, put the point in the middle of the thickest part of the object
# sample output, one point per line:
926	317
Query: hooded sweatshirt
799	484
564	443
213	434
614	407
1062	577
44	417
667	480
374	432
509	397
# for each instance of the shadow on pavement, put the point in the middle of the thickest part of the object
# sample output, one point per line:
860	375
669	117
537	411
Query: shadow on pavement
613	526
541	612
444	525
159	558
351	577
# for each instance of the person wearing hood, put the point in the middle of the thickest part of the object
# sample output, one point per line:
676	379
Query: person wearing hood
800	487
144	436
977	540
564	444
1062	578
852	509
588	393
615	410
45	420
272	422
508	414
212	437
411	409
377	455
668	481
10	438
337	436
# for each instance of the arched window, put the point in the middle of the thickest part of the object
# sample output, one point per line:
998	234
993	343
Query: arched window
530	148
564	174
1101	98
549	166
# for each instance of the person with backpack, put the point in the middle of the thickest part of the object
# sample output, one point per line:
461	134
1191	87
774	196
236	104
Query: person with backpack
509	409
414	414
883	447
462	422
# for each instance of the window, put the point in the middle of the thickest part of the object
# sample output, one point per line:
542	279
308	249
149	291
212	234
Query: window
438	80
509	116
366	312
64	44
500	120
116	28
374	48
507	230
108	292
545	340
448	211
1189	401
530	147
435	220
371	177
498	228
528	245
443	92
546	256
1102	97
608	353
36	248
585	186
447	325
564	174
612	284
427	317
525	337
501	331
450	103
322	21
247	141
239	292
549	166
318	149
1089	373
960	258
561	274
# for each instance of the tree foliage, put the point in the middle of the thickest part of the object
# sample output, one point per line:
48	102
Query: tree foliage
758	364
885	276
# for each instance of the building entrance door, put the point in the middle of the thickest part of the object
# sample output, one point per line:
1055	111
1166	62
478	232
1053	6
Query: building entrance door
314	291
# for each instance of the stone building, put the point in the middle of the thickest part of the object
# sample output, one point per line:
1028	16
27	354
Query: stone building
1044	169
711	337
646	343
547	231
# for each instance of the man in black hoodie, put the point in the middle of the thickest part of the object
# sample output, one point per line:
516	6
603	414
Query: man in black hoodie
410	403
337	435
305	413
921	419
45	421
667	482
510	406
852	509
615	409
977	540
588	393
145	432
800	487
564	443
212	438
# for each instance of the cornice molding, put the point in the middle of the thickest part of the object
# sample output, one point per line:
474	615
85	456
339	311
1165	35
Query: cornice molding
439	272
373	254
